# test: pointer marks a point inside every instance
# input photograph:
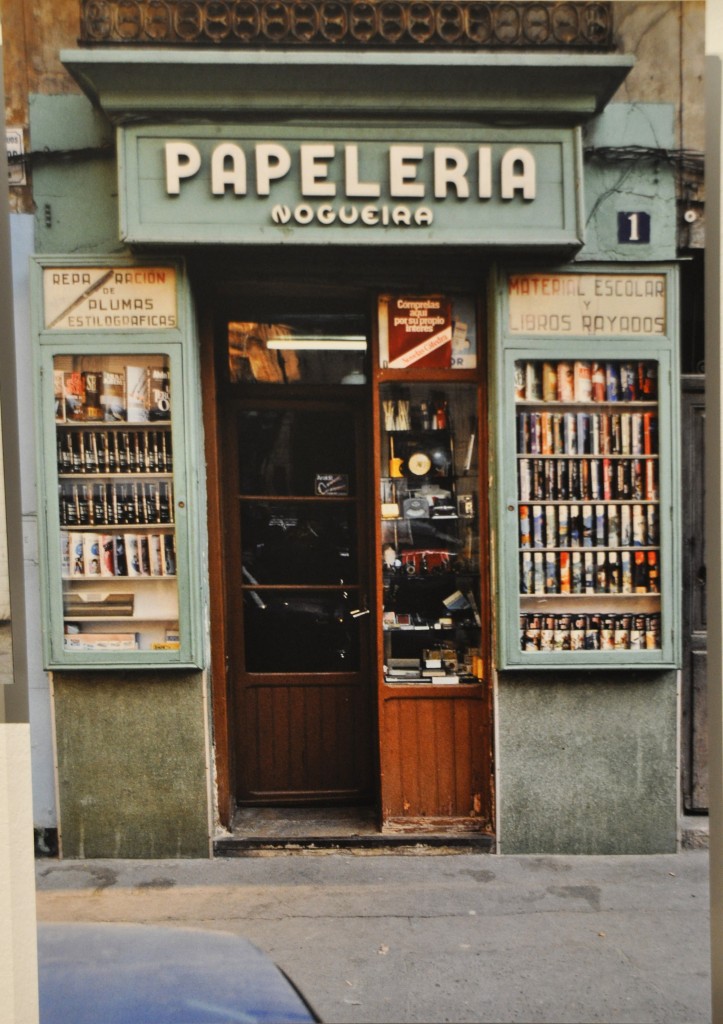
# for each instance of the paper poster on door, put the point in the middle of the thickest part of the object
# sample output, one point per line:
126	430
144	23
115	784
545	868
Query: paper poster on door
430	331
419	331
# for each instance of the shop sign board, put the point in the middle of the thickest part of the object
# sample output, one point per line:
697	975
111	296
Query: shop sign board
109	298
246	185
608	305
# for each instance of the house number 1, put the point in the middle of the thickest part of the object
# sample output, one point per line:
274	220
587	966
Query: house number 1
634	228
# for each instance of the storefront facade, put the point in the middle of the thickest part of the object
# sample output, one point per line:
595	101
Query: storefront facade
358	453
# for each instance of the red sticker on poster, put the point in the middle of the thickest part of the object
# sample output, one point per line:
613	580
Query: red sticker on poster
420	332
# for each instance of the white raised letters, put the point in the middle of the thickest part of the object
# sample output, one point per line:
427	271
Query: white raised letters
354	188
484	172
403	169
511	181
235	175
450	170
273	161
183	160
330	171
314	169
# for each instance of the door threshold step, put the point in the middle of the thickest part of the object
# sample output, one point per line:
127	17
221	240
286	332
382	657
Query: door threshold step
240	846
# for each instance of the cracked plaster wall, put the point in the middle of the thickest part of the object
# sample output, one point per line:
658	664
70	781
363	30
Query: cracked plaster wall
668	40
620	177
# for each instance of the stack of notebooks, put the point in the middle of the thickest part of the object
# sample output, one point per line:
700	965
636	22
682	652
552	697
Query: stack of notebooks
411	670
81	604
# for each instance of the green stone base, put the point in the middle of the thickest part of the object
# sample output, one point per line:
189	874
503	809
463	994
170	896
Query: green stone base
131	765
587	763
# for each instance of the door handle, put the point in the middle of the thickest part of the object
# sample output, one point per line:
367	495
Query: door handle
358	613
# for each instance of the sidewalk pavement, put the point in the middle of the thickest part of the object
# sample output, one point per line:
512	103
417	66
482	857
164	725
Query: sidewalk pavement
433	938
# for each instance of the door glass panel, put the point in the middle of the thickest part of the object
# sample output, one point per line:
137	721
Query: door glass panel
298	542
300	631
296	452
298	509
306	349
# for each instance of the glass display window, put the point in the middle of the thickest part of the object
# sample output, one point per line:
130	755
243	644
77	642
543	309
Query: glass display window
433	594
429	505
586	445
116	502
298	348
590	560
118	428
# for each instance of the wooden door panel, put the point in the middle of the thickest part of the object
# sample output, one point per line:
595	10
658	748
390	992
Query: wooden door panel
304	739
433	763
301	658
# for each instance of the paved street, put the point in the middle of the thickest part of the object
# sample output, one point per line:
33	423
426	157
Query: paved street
447	937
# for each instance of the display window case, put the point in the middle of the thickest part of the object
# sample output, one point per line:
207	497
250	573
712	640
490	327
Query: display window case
116	503
429	502
115	533
588	554
434	618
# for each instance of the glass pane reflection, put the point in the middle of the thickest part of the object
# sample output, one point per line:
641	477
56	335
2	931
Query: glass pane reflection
287	451
287	631
308	349
294	542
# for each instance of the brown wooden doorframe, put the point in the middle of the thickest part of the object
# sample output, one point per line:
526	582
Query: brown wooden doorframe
303	714
220	697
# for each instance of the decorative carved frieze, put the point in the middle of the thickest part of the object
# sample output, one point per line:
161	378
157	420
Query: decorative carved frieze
349	23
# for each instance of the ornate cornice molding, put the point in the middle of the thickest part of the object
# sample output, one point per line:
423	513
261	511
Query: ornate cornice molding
368	24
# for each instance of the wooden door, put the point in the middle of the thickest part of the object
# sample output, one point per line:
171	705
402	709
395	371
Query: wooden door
694	742
297	589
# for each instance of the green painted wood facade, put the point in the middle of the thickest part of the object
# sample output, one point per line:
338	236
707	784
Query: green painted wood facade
662	347
554	796
286	216
178	346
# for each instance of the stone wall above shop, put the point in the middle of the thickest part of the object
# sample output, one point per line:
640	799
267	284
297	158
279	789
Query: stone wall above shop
630	169
668	40
661	34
